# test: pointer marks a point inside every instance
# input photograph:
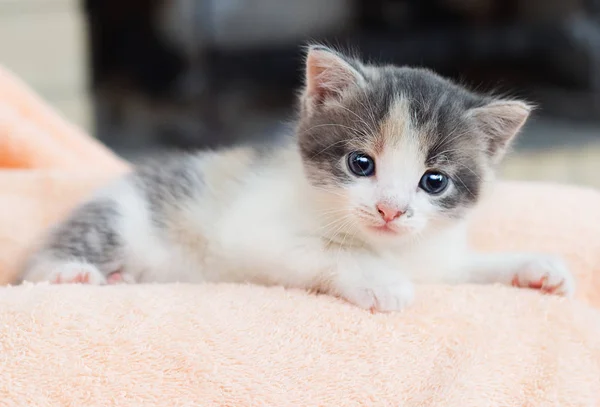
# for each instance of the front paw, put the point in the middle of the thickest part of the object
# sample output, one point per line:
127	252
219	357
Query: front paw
392	296
548	274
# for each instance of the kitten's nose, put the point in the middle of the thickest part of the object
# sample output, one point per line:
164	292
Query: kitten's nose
387	212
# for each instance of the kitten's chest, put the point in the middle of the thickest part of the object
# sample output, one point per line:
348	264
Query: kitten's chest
434	260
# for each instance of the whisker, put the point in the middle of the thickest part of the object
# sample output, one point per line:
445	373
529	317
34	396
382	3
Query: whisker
467	188
328	125
369	110
334	237
330	215
470	170
329	192
450	134
328	147
342	245
458	149
360	119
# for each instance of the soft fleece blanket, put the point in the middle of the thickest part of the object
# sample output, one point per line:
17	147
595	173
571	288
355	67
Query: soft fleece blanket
228	345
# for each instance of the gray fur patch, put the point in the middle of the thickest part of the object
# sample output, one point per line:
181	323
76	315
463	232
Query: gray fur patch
90	234
167	182
330	135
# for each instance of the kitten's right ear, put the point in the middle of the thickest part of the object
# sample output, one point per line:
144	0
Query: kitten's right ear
328	74
500	121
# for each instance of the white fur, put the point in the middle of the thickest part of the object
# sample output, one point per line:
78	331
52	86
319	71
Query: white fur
273	230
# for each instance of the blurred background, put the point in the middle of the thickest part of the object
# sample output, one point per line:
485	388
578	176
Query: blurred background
147	75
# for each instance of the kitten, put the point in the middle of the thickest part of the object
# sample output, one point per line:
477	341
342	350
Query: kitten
372	194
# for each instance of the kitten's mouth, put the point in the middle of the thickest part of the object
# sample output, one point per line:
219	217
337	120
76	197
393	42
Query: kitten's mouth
385	228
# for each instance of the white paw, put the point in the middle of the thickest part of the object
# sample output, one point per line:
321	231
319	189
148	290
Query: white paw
391	296
548	274
70	273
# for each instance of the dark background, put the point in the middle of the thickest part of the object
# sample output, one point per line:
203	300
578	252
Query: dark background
197	73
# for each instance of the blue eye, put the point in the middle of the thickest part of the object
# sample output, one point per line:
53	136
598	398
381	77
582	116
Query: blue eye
433	182
360	164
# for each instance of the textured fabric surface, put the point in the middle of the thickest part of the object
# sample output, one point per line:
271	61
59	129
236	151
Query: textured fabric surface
227	345
204	345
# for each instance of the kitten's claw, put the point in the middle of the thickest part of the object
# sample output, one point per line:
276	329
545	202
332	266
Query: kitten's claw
382	298
76	273
548	274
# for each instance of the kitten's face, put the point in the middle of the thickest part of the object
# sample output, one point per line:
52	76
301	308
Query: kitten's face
396	151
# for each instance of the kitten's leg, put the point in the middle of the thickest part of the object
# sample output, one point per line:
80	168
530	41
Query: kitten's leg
370	283
85	248
538	271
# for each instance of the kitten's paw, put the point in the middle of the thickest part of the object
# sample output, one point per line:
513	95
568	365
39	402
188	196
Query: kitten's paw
548	274
72	273
388	297
120	277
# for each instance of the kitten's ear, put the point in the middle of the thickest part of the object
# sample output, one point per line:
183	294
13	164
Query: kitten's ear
500	121
328	74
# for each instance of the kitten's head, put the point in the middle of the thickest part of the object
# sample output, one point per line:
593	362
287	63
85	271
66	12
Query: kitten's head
398	150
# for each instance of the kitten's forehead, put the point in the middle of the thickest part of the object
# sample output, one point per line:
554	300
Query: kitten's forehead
428	97
417	106
397	131
400	149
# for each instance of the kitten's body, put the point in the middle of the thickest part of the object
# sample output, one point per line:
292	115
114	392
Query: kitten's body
296	215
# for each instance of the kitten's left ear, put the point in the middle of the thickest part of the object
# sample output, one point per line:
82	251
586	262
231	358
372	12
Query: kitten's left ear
500	121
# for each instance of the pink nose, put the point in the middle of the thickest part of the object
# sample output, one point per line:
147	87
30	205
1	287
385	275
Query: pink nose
388	213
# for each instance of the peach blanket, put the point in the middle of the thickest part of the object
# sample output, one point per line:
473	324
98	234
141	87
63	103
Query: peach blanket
228	345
